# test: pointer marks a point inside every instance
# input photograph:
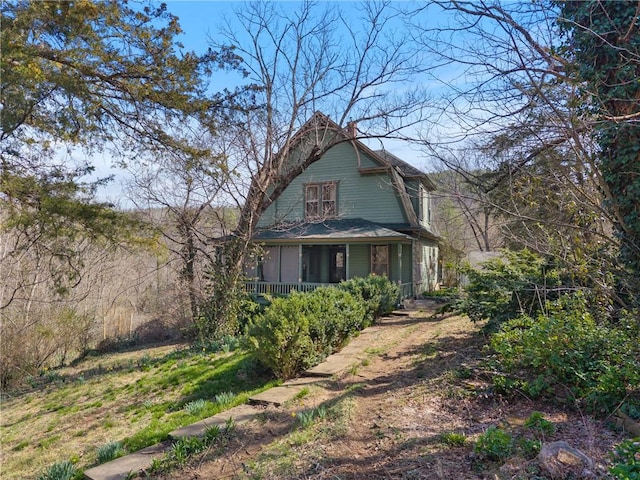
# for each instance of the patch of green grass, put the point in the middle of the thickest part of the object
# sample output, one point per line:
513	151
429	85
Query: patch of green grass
302	393
48	442
22	445
64	470
139	408
453	439
374	350
109	451
540	425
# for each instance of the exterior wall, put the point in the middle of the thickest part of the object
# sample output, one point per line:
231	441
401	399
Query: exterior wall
270	270
370	197
359	260
289	269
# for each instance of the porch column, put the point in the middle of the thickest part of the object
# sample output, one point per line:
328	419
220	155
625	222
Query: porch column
346	266
300	263
400	263
279	273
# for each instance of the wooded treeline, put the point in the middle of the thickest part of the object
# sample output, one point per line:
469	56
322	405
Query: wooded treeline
528	110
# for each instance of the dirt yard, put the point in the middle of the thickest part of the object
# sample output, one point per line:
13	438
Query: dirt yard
412	410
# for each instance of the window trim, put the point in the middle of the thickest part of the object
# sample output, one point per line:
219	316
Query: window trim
324	207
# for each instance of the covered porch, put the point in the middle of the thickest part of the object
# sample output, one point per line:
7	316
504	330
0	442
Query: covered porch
310	255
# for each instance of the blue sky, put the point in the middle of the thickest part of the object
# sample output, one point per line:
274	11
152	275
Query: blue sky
201	21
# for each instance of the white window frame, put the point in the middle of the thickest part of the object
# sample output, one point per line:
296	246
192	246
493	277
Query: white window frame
325	203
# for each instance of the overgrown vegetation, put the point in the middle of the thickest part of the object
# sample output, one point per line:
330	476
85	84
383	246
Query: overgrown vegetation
502	288
552	337
626	460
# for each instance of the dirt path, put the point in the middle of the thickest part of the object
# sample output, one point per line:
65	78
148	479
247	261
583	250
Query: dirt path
392	417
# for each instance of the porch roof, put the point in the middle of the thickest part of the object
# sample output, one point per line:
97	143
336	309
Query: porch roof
354	230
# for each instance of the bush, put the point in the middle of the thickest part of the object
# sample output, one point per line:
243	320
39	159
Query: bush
298	331
626	460
599	363
335	315
378	295
494	444
109	451
280	337
504	288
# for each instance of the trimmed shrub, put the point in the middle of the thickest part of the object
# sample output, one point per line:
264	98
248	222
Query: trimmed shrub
298	331
280	338
334	315
377	293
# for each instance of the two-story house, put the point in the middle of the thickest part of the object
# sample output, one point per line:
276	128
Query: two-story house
352	213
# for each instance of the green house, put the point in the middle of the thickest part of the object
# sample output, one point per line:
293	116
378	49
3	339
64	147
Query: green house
352	213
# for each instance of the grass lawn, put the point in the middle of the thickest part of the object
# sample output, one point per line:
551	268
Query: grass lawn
136	398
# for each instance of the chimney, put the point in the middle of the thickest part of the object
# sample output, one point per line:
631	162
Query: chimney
352	129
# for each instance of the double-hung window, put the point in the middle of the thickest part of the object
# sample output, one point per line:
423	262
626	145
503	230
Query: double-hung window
320	200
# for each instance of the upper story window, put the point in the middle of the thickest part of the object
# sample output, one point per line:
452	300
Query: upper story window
320	200
425	205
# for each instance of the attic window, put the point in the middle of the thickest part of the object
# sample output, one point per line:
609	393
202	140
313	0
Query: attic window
320	200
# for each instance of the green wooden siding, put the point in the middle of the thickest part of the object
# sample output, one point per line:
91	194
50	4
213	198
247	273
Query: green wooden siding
407	263
359	260
370	197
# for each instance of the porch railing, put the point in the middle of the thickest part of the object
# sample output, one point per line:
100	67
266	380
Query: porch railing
285	288
281	288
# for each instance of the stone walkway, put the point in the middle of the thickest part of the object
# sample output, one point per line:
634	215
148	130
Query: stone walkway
342	361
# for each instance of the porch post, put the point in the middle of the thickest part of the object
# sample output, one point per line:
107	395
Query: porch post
279	277
400	263
300	263
416	259
346	266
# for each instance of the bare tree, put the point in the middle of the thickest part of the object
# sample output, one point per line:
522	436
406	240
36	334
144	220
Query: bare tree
180	191
510	95
357	71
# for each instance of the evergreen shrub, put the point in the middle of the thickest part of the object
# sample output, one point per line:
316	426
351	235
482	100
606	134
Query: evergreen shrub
599	363
377	293
296	332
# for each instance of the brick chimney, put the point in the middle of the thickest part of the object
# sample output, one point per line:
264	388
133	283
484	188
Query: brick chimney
352	129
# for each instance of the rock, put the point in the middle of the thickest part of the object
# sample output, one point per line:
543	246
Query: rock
561	460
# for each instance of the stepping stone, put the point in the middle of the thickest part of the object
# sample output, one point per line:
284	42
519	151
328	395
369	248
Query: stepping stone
121	468
277	395
333	365
304	381
240	414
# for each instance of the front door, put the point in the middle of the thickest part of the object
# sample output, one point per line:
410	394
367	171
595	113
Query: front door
337	264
